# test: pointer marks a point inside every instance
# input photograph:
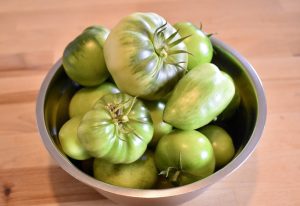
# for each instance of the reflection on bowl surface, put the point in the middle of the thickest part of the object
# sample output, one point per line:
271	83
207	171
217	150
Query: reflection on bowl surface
245	127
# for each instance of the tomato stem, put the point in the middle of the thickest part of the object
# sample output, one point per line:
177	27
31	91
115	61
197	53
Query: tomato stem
159	29
211	34
175	178
171	52
130	108
117	108
163	47
172	174
117	111
171	37
174	43
201	26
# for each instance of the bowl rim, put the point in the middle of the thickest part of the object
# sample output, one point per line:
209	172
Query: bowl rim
157	193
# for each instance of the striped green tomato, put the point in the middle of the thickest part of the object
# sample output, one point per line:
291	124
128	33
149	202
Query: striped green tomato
199	97
145	55
83	58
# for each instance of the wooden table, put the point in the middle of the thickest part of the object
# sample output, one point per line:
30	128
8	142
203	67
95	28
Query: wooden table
33	35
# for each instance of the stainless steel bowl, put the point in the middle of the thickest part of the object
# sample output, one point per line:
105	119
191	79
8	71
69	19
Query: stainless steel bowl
246	128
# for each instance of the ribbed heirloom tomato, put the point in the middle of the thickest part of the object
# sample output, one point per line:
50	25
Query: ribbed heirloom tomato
145	55
117	129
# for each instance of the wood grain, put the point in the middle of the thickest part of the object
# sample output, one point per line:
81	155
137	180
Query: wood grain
33	36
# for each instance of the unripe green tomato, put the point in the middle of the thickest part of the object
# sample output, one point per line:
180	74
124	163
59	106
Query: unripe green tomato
199	97
141	174
117	129
198	44
145	56
69	140
184	157
84	99
83	58
221	142
161	128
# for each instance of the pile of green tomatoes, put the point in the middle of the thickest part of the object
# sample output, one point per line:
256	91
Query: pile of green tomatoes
148	99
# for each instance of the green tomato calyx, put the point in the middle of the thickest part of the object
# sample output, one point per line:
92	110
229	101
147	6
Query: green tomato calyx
164	46
173	174
125	118
176	175
164	53
117	112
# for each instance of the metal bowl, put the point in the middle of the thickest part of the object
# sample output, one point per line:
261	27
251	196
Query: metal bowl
246	128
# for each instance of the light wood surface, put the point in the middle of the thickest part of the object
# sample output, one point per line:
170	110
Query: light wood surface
33	35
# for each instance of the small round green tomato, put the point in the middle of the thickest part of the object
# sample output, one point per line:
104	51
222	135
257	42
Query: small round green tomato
198	44
161	128
141	174
221	142
69	140
184	156
83	58
85	98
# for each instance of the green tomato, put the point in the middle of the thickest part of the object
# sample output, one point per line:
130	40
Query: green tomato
184	156
141	174
161	128
198	44
83	58
145	56
69	140
201	95
117	129
85	98
221	142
